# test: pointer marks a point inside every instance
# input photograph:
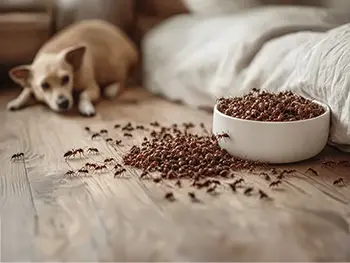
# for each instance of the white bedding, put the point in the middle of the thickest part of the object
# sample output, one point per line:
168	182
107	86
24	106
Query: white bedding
304	49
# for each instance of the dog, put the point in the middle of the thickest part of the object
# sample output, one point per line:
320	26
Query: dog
88	58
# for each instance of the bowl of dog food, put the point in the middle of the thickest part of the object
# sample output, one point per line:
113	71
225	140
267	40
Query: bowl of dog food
272	128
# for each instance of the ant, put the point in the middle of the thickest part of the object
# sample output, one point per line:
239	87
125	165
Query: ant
127	134
119	172
312	171
211	189
140	127
170	196
83	170
274	171
241	180
76	151
222	135
178	183
117	126
233	187
109	140
157	180
248	190
280	177
100	168
144	174
154	124
17	156
275	183
118	142
263	194
266	176
127	128
339	181
91	165
87	129
104	131
70	173
116	167
95	136
109	160
193	197
68	154
285	172
93	150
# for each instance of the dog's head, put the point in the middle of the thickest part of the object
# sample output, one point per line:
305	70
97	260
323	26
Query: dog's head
50	77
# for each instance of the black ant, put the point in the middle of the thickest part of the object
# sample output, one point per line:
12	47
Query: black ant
241	180
127	134
116	167
68	154
109	140
339	181
93	150
274	171
154	124
100	168
118	142
211	189
193	197
170	196
157	180
91	165
248	191
70	173
95	136
76	151
103	131
140	127
312	171
233	187
119	172
263	194
17	156
83	170
117	126
266	176
275	183
144	174
178	183
109	160
222	135
87	129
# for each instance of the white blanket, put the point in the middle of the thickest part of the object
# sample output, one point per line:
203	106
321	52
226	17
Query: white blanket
304	49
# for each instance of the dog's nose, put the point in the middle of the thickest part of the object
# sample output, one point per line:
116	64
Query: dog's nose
62	102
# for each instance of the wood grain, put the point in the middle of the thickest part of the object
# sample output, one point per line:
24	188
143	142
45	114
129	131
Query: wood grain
47	217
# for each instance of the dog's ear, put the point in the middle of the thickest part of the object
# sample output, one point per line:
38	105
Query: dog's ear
20	75
74	56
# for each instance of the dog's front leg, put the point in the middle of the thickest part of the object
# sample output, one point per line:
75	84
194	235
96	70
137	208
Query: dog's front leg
21	101
86	99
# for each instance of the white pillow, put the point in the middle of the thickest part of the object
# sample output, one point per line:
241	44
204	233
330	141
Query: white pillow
215	7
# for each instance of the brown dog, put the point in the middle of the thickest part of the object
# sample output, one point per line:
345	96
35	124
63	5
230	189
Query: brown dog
83	58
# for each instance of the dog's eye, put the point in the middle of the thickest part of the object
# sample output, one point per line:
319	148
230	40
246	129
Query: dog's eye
65	80
45	85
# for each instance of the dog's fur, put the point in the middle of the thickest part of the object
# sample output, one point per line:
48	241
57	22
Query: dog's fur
88	57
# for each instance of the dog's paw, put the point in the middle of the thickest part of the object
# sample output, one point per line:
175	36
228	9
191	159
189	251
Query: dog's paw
111	91
86	108
13	105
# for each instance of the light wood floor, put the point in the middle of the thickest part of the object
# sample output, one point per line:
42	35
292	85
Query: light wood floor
45	217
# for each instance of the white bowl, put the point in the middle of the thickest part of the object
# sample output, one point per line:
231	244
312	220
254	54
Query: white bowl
273	142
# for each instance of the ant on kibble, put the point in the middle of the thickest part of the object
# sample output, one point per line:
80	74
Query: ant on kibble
17	156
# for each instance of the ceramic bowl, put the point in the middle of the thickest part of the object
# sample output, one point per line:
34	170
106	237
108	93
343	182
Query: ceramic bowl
273	142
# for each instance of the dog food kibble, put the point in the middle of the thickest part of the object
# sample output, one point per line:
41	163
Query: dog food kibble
177	154
270	107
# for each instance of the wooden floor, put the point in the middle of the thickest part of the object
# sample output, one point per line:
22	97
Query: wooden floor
45	217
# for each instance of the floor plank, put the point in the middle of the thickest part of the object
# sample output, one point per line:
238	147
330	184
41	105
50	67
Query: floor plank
48	217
